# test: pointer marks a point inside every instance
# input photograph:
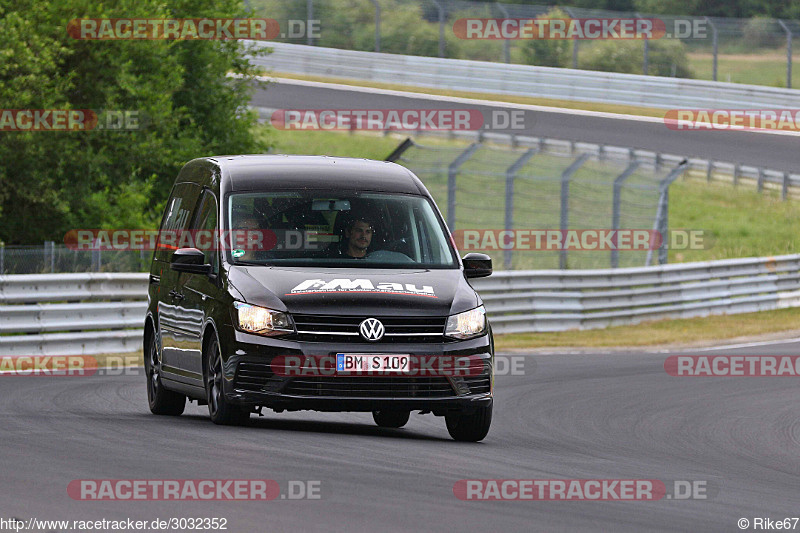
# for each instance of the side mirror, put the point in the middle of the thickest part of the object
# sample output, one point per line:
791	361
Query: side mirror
189	260
477	265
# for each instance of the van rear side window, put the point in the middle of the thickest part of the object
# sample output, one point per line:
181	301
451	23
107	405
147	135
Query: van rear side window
177	216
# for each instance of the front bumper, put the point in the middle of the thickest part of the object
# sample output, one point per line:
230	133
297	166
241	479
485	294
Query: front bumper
250	363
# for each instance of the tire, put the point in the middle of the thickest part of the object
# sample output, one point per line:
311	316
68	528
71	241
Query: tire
219	409
391	419
160	400
472	427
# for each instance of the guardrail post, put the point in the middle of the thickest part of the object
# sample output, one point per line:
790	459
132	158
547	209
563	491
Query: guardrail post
785	186
564	215
788	53
710	170
508	222
618	181
440	8
661	224
574	40
309	18
736	171
507	42
96	260
760	179
52	246
646	59
714	46
645	65
452	171
377	25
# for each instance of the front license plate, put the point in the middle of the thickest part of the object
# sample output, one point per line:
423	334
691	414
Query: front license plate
372	363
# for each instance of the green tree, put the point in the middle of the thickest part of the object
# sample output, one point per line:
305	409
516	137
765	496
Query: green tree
51	182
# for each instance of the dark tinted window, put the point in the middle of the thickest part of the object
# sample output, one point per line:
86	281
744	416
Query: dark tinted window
177	216
205	231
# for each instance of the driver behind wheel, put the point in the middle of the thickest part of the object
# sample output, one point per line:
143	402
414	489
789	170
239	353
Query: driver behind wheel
357	238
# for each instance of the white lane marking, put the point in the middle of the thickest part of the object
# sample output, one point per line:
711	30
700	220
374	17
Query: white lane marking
744	345
623	350
492	103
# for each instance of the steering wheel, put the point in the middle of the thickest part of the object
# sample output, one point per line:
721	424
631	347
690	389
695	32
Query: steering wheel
393	245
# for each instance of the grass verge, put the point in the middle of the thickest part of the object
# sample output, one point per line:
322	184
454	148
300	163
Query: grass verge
768	68
662	332
119	360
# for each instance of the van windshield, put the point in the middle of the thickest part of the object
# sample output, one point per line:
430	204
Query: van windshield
306	228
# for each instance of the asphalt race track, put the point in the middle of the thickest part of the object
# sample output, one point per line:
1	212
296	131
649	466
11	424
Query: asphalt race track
778	152
570	416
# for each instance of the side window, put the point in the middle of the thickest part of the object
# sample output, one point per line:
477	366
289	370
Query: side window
432	249
177	215
206	234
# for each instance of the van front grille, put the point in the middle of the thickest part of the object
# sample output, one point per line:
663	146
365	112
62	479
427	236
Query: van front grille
252	376
366	387
325	328
478	384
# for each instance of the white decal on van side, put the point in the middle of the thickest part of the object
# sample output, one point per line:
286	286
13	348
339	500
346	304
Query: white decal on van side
313	286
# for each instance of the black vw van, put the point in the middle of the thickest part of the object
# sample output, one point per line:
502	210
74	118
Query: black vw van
322	283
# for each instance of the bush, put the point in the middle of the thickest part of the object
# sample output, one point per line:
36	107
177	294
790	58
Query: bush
665	57
404	31
762	32
546	52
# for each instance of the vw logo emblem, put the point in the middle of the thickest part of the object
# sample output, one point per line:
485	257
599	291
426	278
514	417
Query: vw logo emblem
372	329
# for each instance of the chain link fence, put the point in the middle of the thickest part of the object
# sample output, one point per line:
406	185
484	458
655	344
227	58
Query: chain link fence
58	258
757	50
545	186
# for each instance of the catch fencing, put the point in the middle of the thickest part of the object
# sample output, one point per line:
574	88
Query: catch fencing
532	169
693	46
546	186
50	257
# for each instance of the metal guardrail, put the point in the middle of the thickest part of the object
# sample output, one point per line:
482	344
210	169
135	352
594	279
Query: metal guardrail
72	314
552	300
521	301
523	80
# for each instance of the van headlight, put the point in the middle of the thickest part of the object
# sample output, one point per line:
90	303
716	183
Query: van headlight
262	321
466	325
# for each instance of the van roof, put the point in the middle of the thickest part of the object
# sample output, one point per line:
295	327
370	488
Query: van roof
254	172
